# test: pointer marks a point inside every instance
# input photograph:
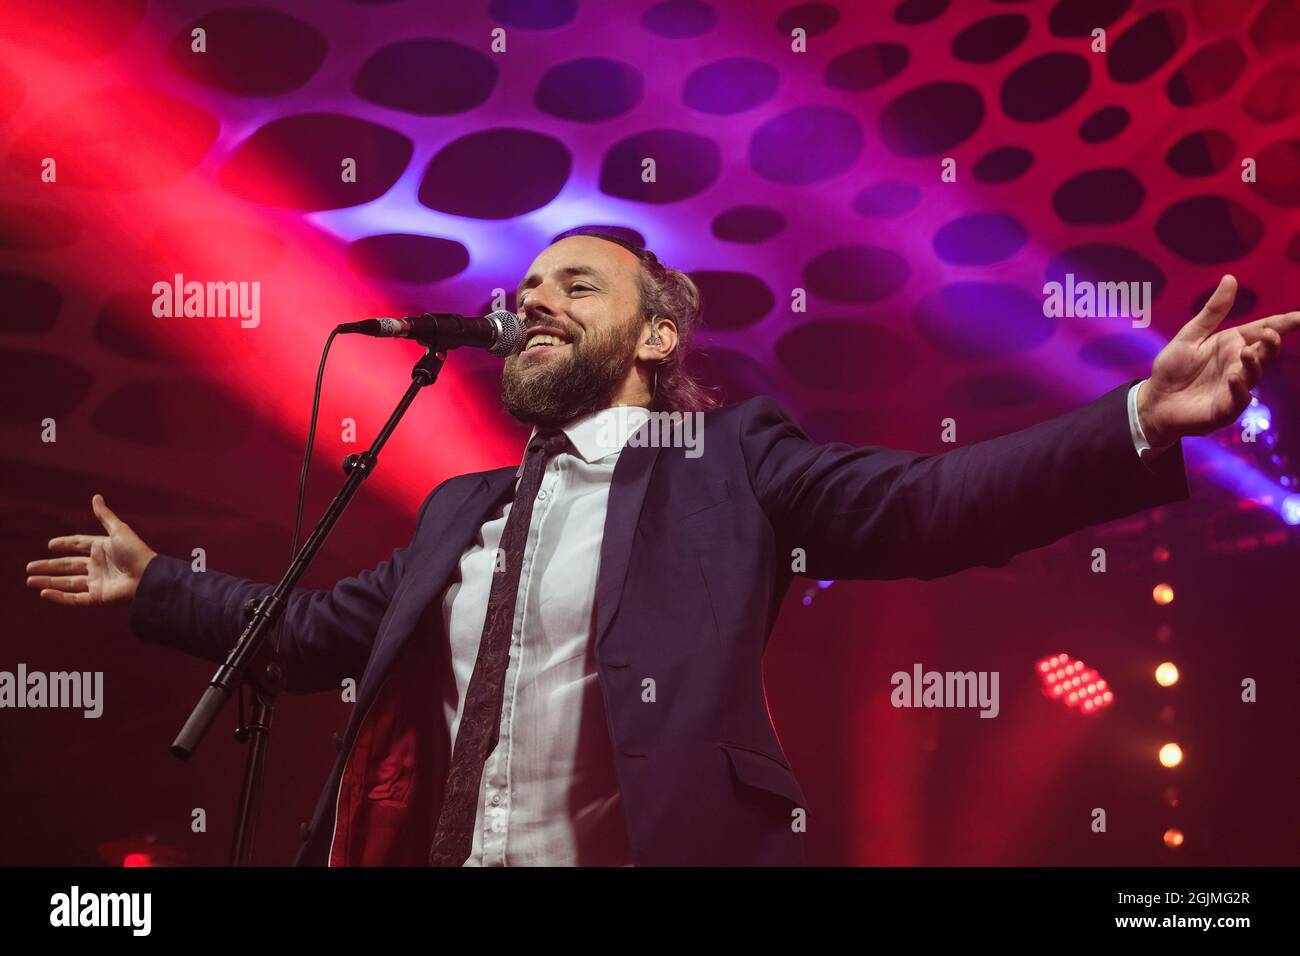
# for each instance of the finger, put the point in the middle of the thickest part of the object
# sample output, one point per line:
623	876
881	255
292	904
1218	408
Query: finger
59	597
1282	324
72	584
79	543
1212	315
59	566
1252	367
1240	394
1262	351
1269	344
105	514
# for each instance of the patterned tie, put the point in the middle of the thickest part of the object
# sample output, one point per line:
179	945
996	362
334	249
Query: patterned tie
480	722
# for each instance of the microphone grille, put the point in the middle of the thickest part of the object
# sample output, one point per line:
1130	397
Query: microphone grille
511	332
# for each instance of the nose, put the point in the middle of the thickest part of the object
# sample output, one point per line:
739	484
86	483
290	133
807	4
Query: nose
538	305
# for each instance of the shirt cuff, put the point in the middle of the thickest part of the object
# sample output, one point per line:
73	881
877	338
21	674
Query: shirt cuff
1143	447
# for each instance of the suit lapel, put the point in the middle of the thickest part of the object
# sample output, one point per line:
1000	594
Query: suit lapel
427	577
626	496
431	565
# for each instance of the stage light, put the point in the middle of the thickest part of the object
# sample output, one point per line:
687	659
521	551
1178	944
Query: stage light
1167	674
1291	509
1171	755
1173	838
1160	554
1257	416
1173	797
1162	594
1072	681
137	859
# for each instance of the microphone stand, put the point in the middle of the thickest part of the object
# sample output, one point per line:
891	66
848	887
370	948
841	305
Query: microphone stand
252	660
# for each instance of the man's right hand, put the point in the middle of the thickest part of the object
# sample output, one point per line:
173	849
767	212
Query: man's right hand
104	568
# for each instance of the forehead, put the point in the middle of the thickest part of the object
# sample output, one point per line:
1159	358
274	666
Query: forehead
586	253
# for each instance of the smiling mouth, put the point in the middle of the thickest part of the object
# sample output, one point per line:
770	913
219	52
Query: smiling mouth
542	341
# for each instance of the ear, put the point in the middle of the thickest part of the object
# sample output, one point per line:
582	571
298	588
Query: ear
658	340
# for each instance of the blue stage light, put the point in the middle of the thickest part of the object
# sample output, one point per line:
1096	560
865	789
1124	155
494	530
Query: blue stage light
1256	415
1291	509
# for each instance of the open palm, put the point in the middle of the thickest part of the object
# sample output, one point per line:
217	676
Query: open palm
104	568
1202	379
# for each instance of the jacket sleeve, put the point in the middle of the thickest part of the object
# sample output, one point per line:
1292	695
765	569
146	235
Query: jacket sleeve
327	635
879	513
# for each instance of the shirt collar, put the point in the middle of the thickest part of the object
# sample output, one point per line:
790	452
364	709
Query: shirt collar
600	434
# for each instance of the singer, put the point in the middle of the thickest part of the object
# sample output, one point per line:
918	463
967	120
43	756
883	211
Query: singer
564	666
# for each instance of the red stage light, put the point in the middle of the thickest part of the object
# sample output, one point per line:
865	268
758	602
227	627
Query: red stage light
1075	682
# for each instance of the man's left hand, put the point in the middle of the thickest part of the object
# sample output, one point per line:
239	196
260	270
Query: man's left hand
1202	379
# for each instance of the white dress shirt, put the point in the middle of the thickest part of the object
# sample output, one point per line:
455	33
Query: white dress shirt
549	795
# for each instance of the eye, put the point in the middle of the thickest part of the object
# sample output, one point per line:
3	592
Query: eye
579	287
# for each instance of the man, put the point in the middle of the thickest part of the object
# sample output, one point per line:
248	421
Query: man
565	664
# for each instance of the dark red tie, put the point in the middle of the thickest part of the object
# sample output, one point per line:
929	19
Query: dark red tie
480	721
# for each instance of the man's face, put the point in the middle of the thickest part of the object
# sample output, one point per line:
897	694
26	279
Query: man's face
581	305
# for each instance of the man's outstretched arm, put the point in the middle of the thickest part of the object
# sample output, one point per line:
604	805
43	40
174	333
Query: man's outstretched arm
883	513
327	634
880	513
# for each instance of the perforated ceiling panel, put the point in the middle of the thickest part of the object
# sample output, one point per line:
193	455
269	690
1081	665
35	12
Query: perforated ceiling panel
799	154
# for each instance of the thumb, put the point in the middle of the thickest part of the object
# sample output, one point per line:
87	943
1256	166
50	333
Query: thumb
110	521
1212	315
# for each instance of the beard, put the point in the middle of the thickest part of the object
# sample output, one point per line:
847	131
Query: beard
551	391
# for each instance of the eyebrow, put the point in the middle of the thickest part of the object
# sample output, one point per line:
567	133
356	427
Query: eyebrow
567	272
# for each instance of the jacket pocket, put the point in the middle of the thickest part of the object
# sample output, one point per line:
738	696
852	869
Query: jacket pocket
764	771
702	497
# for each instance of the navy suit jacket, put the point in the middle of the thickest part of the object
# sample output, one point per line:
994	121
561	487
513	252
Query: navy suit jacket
695	561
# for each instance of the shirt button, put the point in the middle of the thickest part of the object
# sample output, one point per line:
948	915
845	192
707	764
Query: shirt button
541	496
496	799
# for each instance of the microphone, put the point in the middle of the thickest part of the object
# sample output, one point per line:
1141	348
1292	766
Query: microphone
499	332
